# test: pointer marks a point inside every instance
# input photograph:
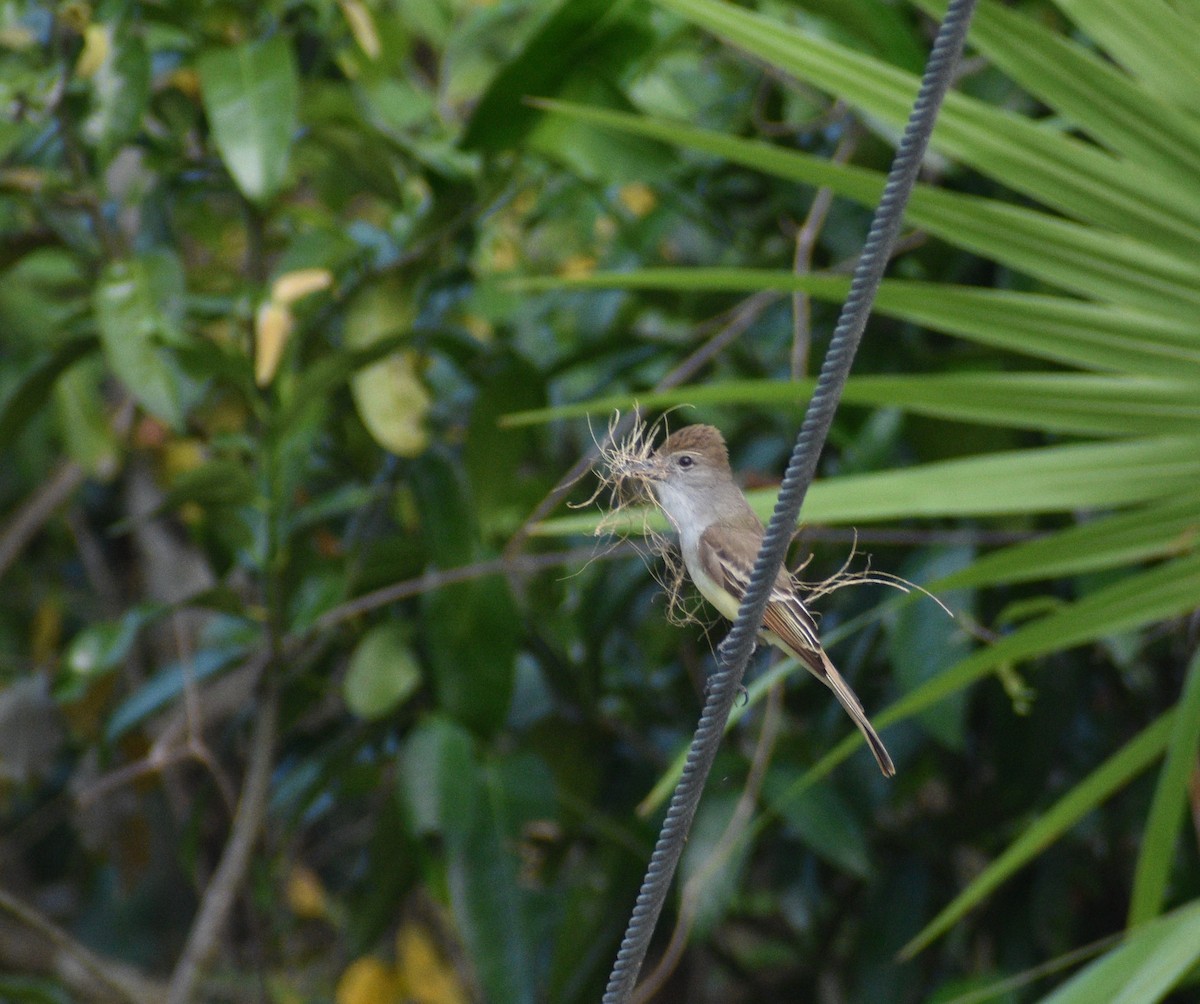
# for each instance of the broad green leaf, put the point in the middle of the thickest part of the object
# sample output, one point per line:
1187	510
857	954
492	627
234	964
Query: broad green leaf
452	793
438	778
120	90
488	900
822	820
383	672
1144	969
102	647
923	639
472	634
393	403
215	483
251	93
389	395
166	685
449	532
496	458
594	38
1115	773
1161	835
83	418
29	396
139	304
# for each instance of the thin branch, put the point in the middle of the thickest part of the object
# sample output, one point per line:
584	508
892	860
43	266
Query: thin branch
806	242
85	973
37	510
450	576
732	836
219	896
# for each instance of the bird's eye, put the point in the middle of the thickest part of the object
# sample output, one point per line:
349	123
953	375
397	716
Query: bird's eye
685	461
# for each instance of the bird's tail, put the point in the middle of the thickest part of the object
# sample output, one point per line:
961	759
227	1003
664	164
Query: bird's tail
849	700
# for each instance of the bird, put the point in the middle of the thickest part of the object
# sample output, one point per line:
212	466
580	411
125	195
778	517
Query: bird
719	539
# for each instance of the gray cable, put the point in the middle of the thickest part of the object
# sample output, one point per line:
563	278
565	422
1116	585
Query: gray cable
738	645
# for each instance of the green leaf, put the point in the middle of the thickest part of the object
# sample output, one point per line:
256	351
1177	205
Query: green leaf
486	893
1049	479
120	89
166	685
712	869
1096	336
465	802
29	396
1160	529
1130	603
102	647
1155	42
1064	172
1083	86
580	38
439	777
215	483
1120	268
1116	772
1144	968
821	819
83	419
1082	404
496	458
1167	809
472	630
924	640
1127	605
251	93
383	672
139	306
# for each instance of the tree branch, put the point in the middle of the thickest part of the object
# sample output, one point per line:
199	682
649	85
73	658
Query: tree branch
83	972
219	896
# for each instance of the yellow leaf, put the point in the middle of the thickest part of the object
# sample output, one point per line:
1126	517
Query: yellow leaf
362	27
367	981
479	328
578	266
46	632
426	977
293	286
180	456
393	403
305	894
272	326
638	198
97	40
187	80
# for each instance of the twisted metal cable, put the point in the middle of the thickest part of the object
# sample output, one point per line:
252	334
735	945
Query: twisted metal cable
738	645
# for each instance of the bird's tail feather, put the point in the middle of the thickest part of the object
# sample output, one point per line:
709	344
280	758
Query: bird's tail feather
849	700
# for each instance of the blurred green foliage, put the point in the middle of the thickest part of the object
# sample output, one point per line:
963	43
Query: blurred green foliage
301	305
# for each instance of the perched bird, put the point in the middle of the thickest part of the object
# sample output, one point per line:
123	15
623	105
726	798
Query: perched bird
719	537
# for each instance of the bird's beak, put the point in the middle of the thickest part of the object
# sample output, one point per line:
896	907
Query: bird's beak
645	470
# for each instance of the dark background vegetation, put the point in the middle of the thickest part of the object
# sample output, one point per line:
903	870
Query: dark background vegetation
311	686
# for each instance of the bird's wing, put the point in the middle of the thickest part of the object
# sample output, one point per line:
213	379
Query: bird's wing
727	556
